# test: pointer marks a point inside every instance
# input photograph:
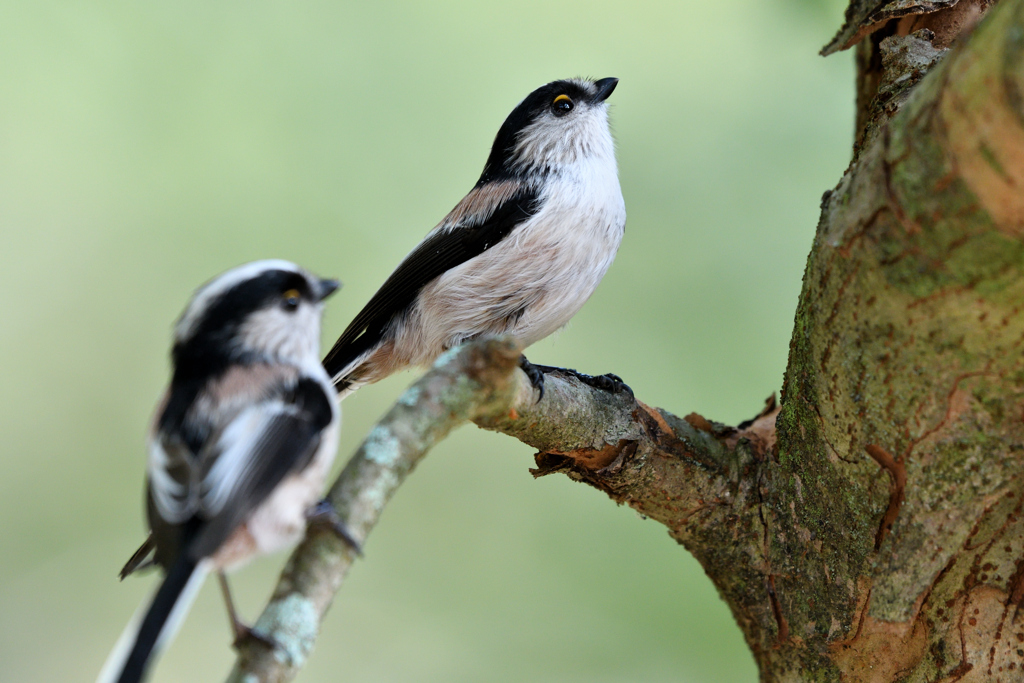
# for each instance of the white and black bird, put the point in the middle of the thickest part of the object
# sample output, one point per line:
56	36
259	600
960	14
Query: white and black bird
519	255
240	444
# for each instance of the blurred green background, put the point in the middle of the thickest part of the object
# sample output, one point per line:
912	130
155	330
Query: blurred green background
145	147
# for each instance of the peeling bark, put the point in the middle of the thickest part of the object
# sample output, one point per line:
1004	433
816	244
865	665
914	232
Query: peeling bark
871	527
946	19
907	342
657	463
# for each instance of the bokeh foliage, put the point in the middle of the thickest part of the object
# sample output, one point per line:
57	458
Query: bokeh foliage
145	148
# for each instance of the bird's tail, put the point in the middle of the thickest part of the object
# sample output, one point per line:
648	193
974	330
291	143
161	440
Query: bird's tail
345	367
151	629
345	388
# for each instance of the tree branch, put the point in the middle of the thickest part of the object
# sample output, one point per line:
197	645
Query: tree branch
665	467
908	341
462	385
906	353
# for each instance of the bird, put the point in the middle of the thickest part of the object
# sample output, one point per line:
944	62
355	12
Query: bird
519	255
239	446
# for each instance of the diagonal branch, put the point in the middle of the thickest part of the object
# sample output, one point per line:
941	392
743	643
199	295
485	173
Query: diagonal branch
664	466
907	337
462	385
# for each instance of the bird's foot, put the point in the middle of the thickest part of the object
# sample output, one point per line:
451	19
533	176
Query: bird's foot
324	514
535	375
609	382
245	634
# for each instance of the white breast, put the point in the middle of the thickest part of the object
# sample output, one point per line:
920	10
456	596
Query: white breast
280	520
530	284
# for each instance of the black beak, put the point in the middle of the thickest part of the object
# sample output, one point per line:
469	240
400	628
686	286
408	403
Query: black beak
605	87
326	288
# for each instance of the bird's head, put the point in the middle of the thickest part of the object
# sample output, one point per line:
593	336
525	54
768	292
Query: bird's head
262	310
558	124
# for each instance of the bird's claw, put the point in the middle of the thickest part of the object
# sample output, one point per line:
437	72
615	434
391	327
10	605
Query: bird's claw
534	374
611	383
324	514
608	382
245	634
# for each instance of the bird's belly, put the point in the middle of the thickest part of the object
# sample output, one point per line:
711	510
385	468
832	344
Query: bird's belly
528	286
280	520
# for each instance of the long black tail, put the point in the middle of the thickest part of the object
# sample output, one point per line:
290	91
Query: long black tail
144	638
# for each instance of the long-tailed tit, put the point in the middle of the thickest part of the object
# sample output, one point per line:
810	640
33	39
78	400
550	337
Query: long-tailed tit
240	444
519	255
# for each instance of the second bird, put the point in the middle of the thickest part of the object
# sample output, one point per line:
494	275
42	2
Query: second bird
519	255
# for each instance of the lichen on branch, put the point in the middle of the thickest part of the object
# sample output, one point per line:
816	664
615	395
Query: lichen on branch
649	459
907	344
871	528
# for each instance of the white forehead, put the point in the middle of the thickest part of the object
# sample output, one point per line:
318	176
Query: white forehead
584	83
581	82
209	292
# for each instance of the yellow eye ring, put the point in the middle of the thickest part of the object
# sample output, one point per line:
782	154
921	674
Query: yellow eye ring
291	299
562	105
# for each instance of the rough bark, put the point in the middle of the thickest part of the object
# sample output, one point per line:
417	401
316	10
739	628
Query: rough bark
668	468
871	528
461	386
946	19
893	513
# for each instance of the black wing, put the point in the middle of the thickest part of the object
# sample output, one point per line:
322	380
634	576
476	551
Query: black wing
269	441
437	254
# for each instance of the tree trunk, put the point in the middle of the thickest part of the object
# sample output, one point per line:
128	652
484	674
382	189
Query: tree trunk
871	528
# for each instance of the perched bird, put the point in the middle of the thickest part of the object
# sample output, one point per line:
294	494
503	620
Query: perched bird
240	444
519	255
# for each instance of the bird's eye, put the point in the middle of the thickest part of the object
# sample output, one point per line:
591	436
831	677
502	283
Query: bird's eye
290	299
562	105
